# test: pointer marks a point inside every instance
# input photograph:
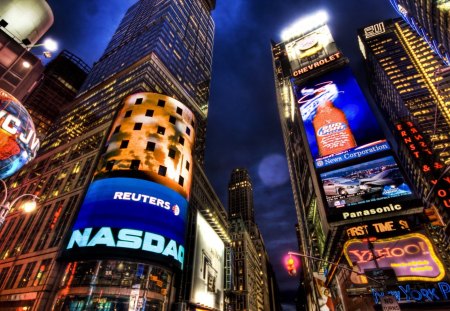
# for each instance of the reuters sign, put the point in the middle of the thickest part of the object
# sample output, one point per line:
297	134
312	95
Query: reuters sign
18	139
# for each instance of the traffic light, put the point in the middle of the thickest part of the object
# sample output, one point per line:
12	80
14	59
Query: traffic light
290	266
433	215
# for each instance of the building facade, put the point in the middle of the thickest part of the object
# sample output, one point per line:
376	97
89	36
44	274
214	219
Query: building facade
253	287
60	82
19	68
351	192
152	78
409	86
430	20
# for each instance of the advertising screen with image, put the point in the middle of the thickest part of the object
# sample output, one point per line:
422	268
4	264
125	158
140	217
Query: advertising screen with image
339	124
378	181
314	45
208	272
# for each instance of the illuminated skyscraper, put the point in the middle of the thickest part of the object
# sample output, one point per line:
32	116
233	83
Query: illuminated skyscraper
137	127
430	19
344	173
240	196
253	287
409	84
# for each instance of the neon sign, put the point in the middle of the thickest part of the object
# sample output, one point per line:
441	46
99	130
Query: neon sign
416	293
411	256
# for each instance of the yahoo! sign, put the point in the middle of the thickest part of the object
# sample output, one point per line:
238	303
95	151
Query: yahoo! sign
411	256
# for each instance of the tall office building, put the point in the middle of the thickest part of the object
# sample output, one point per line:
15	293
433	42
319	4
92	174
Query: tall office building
240	196
137	128
409	87
430	20
253	281
352	195
60	82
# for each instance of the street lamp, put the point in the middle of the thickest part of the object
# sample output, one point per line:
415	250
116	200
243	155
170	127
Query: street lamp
49	46
5	207
334	264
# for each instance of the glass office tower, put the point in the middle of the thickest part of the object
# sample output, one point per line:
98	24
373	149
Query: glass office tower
153	77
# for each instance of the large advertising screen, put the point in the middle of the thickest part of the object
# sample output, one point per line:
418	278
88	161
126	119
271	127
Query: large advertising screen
127	217
152	137
136	207
315	45
18	138
410	256
378	184
208	273
337	119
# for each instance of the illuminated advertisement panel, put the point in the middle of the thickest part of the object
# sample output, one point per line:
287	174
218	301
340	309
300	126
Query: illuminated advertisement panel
337	119
310	48
411	256
18	139
153	138
129	217
374	182
208	279
136	207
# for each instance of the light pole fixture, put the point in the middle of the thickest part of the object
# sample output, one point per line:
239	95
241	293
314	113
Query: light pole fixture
336	265
5	207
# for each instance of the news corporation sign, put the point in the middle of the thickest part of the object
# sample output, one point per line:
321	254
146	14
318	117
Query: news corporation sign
130	218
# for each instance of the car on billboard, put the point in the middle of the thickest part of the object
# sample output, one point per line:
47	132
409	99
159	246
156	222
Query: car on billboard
340	186
390	177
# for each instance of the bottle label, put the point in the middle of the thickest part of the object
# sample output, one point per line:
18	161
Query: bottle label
332	128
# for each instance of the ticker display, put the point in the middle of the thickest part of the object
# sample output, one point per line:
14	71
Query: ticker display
339	124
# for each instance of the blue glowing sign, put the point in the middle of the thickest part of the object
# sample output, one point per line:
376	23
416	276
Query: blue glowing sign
417	293
339	124
135	217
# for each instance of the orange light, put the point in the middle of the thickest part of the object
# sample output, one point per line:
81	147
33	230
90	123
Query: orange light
290	266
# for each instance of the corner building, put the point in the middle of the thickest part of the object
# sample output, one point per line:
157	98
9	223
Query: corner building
410	90
352	196
156	71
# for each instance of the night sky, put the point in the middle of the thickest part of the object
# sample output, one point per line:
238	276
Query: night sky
243	124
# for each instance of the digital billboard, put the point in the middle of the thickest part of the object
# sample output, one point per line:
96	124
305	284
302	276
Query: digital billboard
153	137
208	273
18	139
337	119
136	207
370	181
309	48
410	256
128	217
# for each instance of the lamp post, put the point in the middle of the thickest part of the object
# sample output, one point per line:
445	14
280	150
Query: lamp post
335	264
5	207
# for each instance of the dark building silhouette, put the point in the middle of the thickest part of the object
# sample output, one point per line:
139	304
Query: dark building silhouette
60	82
254	286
